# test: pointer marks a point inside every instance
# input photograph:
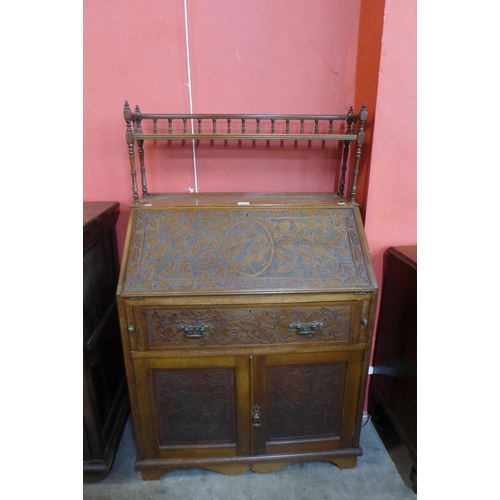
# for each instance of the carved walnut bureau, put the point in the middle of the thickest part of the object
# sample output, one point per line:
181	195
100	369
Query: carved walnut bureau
247	323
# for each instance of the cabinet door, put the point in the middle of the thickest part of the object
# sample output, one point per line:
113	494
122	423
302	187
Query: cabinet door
306	402
194	407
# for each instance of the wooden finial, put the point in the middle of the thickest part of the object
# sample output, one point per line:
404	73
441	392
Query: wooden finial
127	114
364	113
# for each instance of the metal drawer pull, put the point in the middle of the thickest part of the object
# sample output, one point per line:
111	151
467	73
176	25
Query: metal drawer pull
364	321
195	332
256	416
305	328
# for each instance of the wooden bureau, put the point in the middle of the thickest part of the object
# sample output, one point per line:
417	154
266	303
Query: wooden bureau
246	318
247	330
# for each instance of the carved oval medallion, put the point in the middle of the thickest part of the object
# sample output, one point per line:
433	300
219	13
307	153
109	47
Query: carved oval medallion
248	248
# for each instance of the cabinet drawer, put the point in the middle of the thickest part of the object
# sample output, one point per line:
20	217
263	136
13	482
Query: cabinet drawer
167	327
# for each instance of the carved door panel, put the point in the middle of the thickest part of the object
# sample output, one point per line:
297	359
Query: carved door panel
304	402
194	407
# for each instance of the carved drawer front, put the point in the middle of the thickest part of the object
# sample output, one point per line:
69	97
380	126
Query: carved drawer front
166	328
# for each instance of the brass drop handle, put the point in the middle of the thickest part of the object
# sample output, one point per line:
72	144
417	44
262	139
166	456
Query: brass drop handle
305	328
256	416
196	331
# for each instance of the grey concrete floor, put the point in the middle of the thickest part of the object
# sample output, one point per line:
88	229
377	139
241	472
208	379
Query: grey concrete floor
375	477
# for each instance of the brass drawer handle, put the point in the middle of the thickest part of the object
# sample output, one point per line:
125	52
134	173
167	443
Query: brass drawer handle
305	328
195	332
256	416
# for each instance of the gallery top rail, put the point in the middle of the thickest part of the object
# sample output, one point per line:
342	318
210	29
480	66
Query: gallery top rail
240	127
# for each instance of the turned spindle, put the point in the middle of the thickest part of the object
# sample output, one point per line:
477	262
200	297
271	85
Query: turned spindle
359	142
346	152
129	137
140	144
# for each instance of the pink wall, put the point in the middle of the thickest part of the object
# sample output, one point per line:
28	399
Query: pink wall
391	210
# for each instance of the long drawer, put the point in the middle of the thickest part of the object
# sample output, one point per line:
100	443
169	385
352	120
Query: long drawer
166	327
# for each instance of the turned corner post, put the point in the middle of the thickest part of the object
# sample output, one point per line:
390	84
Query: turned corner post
140	144
349	122
129	137
359	142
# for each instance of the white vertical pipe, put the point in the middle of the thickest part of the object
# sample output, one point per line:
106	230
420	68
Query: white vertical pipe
190	94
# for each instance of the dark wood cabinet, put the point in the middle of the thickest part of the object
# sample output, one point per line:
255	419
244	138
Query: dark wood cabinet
394	382
105	396
246	329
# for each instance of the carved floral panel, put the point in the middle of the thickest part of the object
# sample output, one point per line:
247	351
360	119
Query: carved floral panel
305	400
189	249
195	405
